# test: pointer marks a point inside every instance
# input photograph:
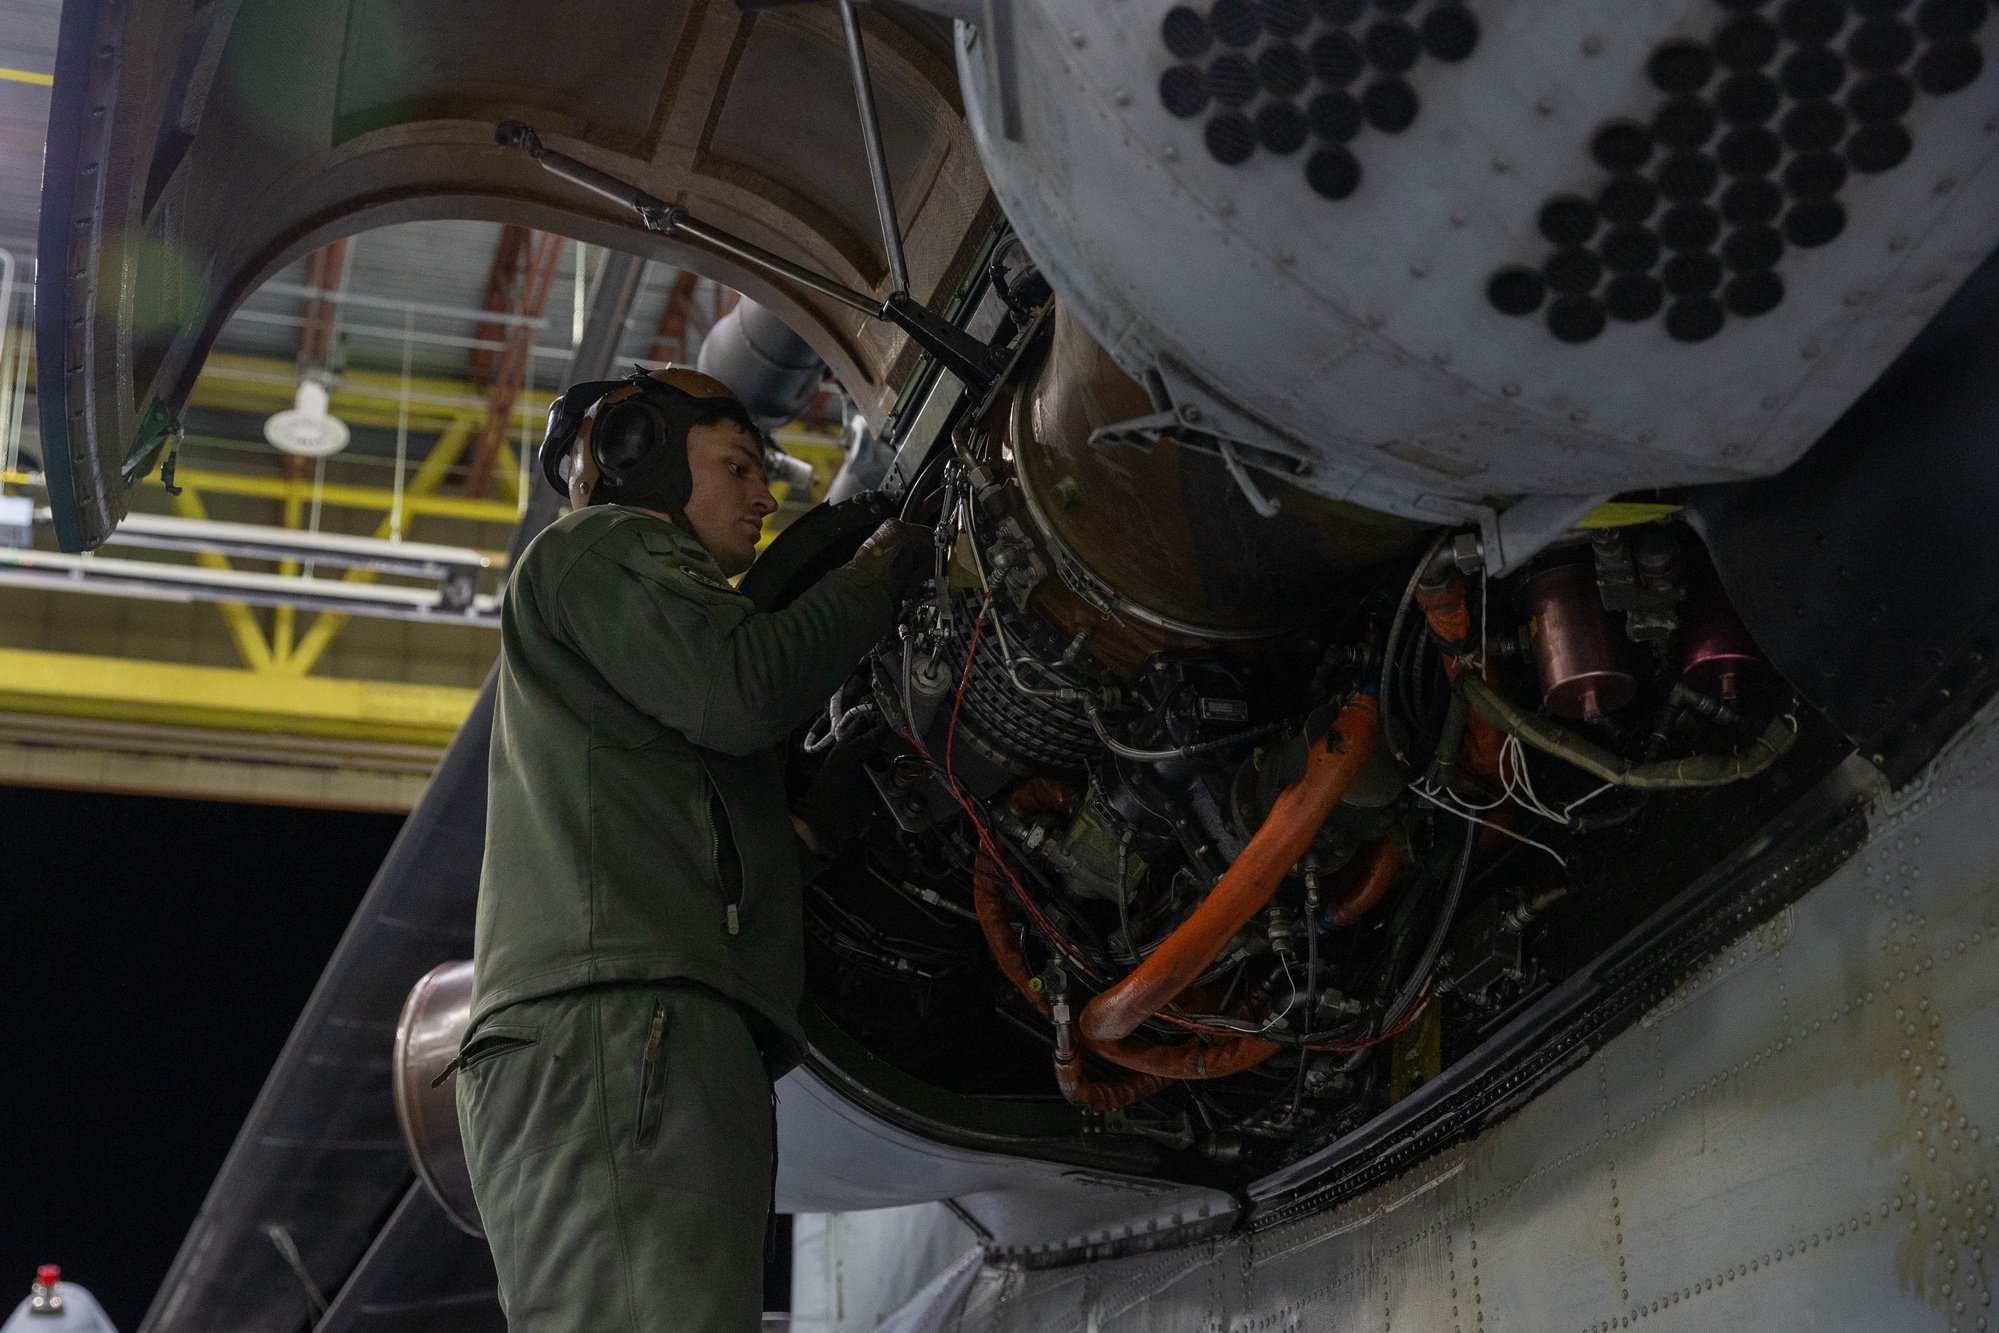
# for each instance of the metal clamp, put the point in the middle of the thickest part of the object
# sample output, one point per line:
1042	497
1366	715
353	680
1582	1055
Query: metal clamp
1172	426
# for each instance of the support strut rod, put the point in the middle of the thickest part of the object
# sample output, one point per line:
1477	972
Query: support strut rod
871	136
977	363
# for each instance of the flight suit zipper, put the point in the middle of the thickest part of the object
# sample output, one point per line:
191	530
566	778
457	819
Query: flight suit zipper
652	1084
722	854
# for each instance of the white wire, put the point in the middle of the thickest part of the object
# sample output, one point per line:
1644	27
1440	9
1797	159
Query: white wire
1521	788
1424	785
1499	828
1570	808
1517	789
1291	988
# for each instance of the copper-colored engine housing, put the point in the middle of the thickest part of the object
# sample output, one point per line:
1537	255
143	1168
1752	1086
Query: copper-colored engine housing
1163	526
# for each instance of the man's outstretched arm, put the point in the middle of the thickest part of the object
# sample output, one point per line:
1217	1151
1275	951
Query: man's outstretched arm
727	678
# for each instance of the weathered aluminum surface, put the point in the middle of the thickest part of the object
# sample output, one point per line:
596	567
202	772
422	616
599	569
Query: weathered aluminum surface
1799	1137
1357	336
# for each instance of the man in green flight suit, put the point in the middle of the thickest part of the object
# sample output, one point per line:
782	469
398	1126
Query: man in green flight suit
639	952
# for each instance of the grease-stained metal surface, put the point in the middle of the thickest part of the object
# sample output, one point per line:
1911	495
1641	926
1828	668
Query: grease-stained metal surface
1799	1137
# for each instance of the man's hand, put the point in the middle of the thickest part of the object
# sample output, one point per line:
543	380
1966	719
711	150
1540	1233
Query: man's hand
839	801
899	554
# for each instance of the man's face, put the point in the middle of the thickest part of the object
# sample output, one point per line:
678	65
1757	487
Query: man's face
730	499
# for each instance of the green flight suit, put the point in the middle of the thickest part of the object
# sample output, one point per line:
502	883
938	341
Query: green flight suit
638	957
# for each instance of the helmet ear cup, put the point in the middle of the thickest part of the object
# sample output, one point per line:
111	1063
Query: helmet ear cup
624	436
638	442
565	418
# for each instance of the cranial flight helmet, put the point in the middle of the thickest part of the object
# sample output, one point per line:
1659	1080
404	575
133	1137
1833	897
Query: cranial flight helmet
639	435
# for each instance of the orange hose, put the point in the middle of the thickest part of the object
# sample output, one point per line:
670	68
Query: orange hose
989	897
1246	886
1381	872
1448	613
1450	618
1098	1094
1153	1065
1195	1058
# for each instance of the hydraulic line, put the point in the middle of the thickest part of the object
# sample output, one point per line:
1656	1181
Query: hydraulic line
1381	872
1707	770
1245	888
1440	932
1449	615
1390	724
1191	1059
989	898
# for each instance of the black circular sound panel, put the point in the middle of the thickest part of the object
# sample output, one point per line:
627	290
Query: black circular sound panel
1756	133
1301	78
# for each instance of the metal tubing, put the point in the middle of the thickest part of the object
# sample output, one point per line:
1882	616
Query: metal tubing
333	297
258	541
752	253
656	212
975	362
871	135
158	580
672	220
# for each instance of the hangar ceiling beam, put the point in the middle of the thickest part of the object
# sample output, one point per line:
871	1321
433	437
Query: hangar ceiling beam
510	367
319	307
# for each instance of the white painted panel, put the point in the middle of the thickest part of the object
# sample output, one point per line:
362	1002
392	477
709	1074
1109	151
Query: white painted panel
1359	330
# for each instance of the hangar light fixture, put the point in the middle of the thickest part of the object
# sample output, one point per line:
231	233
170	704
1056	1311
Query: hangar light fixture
306	428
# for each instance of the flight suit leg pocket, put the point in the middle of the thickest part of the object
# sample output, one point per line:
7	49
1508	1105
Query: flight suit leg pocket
494	1040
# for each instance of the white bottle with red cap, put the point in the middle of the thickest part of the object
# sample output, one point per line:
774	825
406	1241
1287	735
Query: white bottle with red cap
55	1306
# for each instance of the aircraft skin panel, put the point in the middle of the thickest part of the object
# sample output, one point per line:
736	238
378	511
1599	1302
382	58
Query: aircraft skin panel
834	1157
1799	1137
1362	336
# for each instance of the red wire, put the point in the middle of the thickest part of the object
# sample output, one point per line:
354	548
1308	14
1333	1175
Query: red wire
1393	1032
991	847
986	843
